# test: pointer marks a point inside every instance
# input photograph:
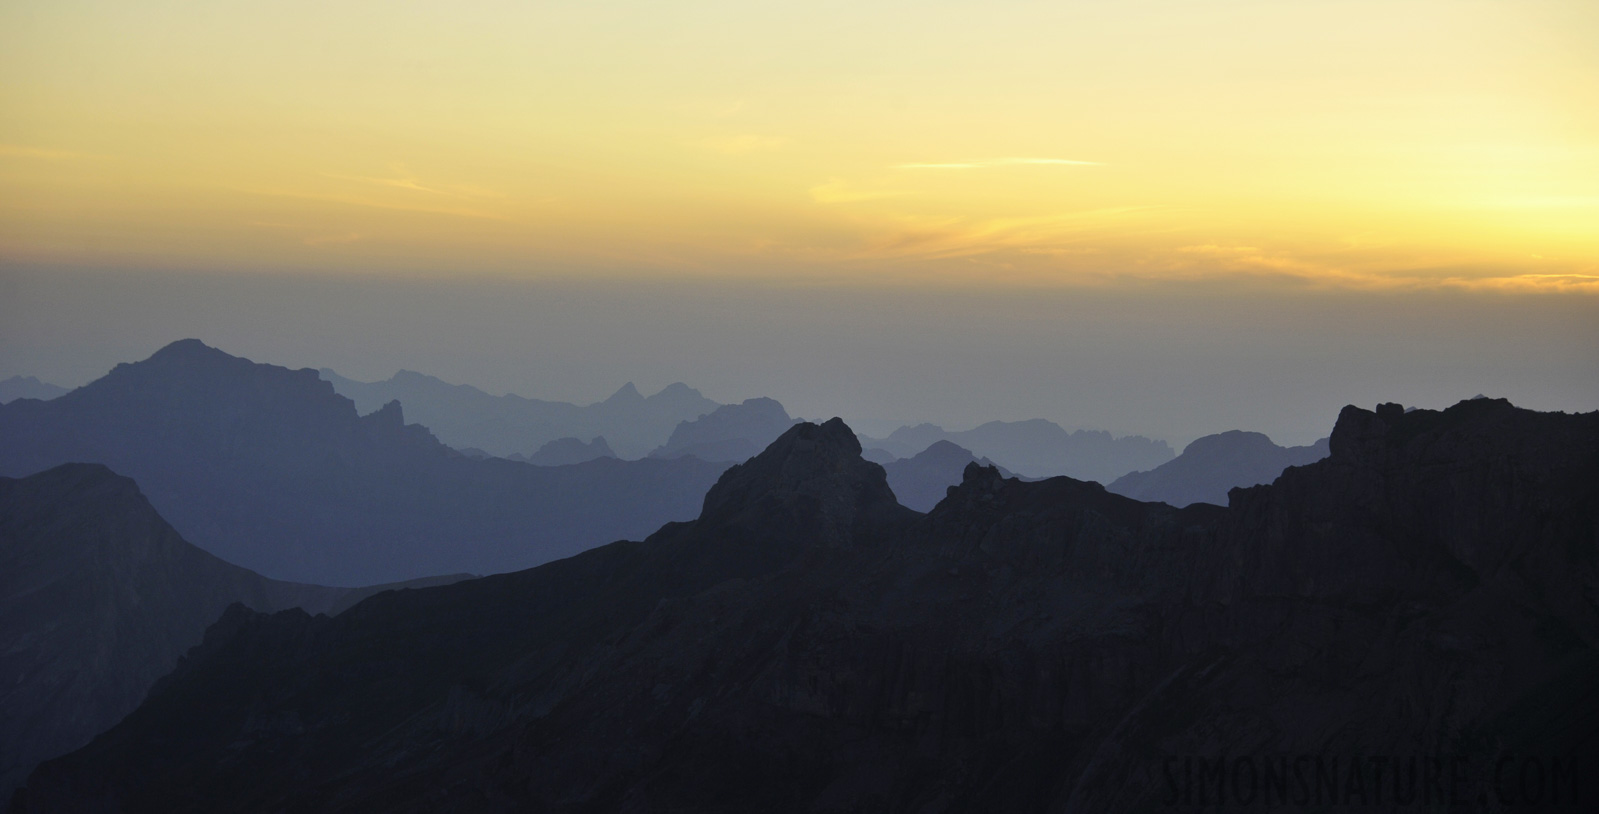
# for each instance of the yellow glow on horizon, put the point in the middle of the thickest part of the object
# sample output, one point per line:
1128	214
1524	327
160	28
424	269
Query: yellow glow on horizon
1406	143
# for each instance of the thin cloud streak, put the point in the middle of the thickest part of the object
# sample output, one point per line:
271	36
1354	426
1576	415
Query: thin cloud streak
999	162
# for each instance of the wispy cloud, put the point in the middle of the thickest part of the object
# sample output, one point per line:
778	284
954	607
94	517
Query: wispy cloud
1532	283
398	183
415	185
999	162
934	238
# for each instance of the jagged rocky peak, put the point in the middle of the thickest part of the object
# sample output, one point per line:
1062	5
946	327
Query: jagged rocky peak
978	477
979	483
813	479
1366	435
389	416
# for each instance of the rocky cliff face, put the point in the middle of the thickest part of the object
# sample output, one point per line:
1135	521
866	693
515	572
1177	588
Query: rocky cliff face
1427	590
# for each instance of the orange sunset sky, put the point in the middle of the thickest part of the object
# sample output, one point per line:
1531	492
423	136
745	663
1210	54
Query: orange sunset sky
1403	143
1170	217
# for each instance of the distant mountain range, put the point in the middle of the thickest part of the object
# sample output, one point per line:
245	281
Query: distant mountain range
98	599
1036	448
807	644
1211	466
732	432
28	387
566	451
270	469
922	480
463	416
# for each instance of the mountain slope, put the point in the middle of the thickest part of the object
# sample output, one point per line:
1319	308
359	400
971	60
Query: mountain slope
28	387
731	433
759	517
270	469
98	599
1037	448
1210	466
922	480
808	645
464	416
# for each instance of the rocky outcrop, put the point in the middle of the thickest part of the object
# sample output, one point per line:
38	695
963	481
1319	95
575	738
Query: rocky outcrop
1424	591
1214	464
923	479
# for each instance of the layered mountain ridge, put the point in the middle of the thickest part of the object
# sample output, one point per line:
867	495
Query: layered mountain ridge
731	433
1213	465
464	416
808	644
923	479
1036	448
270	469
28	387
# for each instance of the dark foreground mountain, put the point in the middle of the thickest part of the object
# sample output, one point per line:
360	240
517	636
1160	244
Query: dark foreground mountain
464	416
98	599
923	479
1211	466
1399	619
730	433
28	387
1037	448
270	469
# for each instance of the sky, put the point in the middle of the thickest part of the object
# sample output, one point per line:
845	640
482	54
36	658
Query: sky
1160	216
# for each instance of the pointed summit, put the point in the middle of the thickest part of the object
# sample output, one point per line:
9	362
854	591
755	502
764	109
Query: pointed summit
627	394
390	416
186	347
811	484
191	353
